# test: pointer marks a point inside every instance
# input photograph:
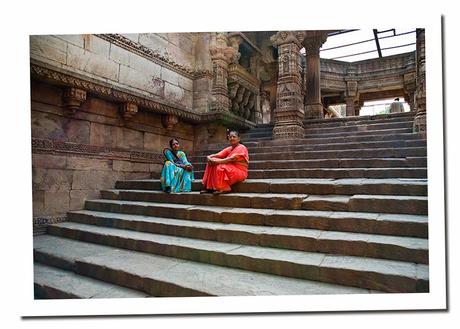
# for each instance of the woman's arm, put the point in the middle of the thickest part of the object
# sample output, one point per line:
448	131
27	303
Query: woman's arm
230	159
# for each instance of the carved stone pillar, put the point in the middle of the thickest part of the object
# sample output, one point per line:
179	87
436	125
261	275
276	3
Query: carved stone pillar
73	97
221	56
289	111
420	91
409	90
312	42
350	103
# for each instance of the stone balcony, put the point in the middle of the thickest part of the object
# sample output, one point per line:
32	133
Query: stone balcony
243	90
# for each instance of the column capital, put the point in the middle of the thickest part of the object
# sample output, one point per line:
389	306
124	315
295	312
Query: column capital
220	50
284	37
313	40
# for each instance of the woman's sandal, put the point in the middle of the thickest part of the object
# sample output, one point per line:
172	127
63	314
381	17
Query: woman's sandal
205	191
220	192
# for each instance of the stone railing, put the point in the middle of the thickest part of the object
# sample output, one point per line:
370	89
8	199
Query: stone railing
243	89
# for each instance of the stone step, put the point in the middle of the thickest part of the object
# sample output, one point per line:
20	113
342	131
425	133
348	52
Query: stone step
366	118
54	283
338	122
394	186
345	145
330	132
334	173
312	141
368	273
339	154
359	222
171	277
339	129
394	204
409	162
320	134
351	244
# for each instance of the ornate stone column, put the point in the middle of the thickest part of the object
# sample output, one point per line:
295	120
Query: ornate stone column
289	111
221	55
312	42
420	89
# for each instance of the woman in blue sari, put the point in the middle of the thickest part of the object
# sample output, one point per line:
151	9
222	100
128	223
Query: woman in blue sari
177	174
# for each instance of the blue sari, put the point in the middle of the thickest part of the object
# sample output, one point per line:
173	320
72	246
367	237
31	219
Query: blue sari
174	177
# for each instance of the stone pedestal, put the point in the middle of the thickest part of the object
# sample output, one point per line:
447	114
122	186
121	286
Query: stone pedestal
289	112
420	91
312	42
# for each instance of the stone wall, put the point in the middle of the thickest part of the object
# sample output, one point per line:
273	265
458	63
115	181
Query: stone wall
139	63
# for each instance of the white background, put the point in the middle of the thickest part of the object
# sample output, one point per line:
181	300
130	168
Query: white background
19	19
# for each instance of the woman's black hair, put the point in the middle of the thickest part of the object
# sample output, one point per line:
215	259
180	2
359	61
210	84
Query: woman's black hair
171	142
232	131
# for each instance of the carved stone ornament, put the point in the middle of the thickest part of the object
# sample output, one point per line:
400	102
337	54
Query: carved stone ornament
129	110
73	98
283	37
169	121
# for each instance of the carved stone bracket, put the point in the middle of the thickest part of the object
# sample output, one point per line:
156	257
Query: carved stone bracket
73	98
243	91
129	109
169	121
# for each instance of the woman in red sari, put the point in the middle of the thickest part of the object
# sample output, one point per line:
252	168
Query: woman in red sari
227	167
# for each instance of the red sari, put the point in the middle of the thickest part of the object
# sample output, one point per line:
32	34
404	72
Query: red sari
221	176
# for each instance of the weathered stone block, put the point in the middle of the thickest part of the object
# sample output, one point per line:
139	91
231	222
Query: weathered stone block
38	202
75	39
92	63
170	76
100	107
48	161
145	81
51	179
78	197
130	139
81	163
119	165
103	135
56	202
152	142
97	45
47	126
76	131
185	83
94	179
49	47
120	55
173	93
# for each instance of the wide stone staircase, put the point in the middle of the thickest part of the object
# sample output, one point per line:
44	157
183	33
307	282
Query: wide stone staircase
343	210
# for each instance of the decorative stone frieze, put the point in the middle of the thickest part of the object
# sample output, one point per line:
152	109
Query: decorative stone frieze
73	98
169	121
420	92
289	106
128	110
